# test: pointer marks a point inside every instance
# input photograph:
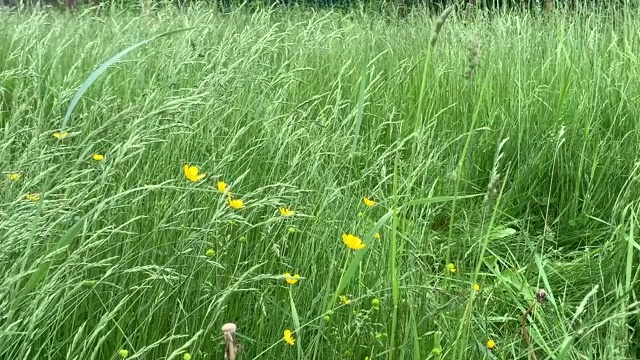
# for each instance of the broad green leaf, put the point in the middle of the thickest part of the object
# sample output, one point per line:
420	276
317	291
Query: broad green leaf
501	232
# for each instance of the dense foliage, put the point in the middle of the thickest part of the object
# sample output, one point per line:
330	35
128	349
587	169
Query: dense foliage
340	185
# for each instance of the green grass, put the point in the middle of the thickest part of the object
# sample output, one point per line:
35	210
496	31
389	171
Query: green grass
533	163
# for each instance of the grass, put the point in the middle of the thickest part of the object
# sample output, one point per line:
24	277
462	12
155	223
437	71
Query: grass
524	176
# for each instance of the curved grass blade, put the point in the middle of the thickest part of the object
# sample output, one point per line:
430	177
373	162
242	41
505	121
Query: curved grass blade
296	323
102	68
361	96
353	266
64	241
6	333
439	199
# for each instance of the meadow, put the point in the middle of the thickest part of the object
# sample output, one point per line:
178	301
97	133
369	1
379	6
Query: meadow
339	185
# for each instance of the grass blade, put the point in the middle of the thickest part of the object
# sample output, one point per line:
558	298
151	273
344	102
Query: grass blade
102	68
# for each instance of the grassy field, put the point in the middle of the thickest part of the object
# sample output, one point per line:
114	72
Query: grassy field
502	157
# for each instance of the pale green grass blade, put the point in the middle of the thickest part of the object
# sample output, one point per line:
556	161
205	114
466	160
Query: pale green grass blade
9	333
361	100
351	269
41	272
102	68
296	324
439	199
183	349
393	261
414	334
43	268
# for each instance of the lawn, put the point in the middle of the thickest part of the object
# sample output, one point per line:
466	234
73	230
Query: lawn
445	187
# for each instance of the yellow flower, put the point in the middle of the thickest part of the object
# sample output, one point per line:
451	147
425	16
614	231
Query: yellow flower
452	268
287	212
14	176
476	287
97	157
186	356
191	172
60	135
344	300
210	252
222	186
123	353
368	201
291	279
491	344
376	235
288	337
353	242
236	203
32	197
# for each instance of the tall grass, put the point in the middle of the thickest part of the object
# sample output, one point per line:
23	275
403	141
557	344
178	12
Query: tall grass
523	176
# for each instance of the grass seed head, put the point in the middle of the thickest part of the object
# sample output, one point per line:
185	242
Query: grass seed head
439	24
473	57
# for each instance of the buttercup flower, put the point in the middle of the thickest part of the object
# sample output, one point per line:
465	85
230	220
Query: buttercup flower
291	279
368	201
353	242
222	186
286	212
288	337
236	203
14	176
32	197
123	353
210	252
476	287
491	344
344	300
186	356
376	235
452	268
60	135
192	173
97	157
